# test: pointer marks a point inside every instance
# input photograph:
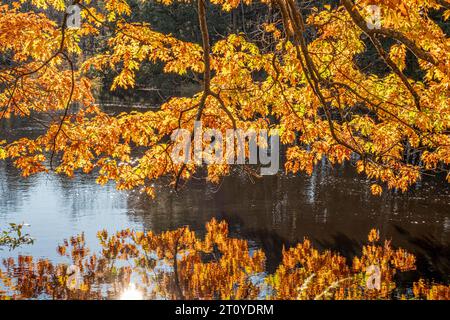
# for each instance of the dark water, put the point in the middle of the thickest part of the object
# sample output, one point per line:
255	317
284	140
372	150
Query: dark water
333	207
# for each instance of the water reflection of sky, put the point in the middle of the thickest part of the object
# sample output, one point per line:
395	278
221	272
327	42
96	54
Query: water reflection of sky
57	208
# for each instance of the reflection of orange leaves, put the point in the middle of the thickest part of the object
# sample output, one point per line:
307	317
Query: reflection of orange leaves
62	250
376	189
402	260
424	290
216	267
374	235
305	272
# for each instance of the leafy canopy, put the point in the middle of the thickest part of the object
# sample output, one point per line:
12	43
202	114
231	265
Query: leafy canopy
306	81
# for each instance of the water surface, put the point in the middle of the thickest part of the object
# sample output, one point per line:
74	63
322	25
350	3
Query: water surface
333	207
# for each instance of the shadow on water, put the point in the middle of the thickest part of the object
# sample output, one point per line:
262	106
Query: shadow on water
432	255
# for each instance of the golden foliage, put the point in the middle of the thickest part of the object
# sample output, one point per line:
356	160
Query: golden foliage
431	291
320	102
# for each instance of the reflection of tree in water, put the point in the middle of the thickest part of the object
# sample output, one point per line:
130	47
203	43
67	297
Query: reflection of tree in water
276	211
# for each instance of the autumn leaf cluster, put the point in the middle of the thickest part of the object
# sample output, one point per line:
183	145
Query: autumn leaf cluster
393	126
